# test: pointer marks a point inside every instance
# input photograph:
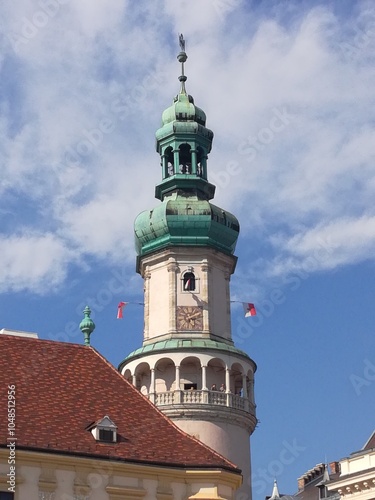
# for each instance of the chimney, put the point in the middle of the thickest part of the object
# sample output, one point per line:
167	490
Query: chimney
301	483
334	467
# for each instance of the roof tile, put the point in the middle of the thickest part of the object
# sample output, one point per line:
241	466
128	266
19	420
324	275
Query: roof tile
61	388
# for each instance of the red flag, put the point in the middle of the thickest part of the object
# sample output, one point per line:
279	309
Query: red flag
249	309
120	307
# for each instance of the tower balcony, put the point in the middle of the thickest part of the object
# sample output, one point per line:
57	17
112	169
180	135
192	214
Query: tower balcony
204	404
205	398
195	380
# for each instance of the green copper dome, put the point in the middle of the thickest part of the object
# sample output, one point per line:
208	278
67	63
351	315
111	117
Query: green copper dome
183	109
185	216
164	346
185	220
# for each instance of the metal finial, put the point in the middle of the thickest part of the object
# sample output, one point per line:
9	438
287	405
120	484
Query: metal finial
182	59
182	42
87	326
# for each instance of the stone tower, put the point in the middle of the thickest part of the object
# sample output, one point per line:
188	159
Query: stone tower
188	365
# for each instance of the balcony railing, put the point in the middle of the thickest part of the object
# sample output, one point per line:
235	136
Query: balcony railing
194	397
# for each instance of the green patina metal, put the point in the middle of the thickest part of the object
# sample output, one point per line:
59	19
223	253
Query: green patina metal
185	217
183	109
87	326
186	220
181	345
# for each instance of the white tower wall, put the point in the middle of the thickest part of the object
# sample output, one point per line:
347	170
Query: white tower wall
231	441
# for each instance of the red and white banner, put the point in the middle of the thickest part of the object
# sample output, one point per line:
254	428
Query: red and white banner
120	308
249	309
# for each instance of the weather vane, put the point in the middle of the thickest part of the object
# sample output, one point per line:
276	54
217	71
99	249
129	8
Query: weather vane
182	42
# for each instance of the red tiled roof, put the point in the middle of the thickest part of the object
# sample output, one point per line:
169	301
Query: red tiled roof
370	444
62	388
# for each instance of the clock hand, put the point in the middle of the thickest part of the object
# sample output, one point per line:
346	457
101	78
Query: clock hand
194	316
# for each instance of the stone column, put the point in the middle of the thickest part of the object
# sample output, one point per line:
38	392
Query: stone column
204	292
28	486
172	269
152	386
251	391
146	290
65	484
204	385
177	393
193	161
227	386
228	326
98	483
244	386
164	166
204	378
204	166
177	388
134	380
176	158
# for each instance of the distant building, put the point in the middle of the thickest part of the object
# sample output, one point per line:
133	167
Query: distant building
352	478
357	474
72	428
312	485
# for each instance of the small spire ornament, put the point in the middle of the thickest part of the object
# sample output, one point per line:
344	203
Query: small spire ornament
87	326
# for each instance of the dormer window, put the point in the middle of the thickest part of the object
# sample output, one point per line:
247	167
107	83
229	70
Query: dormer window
105	430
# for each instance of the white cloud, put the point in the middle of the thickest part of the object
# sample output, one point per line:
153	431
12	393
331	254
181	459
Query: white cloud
33	262
114	61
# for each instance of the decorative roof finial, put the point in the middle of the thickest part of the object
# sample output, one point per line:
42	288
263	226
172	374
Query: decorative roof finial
275	491
182	42
87	326
182	59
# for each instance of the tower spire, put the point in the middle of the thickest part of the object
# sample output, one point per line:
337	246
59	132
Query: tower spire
185	248
182	59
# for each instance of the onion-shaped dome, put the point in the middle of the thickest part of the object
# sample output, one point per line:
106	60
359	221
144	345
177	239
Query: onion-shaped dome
188	221
183	109
183	117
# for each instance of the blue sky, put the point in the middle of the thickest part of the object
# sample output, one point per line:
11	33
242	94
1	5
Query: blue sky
288	91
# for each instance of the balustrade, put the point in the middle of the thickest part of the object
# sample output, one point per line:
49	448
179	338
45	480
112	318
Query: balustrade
213	398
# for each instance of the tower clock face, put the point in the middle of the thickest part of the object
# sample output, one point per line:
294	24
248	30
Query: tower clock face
189	318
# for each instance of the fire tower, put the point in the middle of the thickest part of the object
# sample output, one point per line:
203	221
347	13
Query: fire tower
188	365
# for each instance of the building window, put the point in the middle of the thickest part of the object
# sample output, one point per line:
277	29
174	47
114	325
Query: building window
104	430
189	282
106	435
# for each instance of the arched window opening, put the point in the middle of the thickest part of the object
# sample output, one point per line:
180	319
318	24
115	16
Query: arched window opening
169	161
189	282
185	159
